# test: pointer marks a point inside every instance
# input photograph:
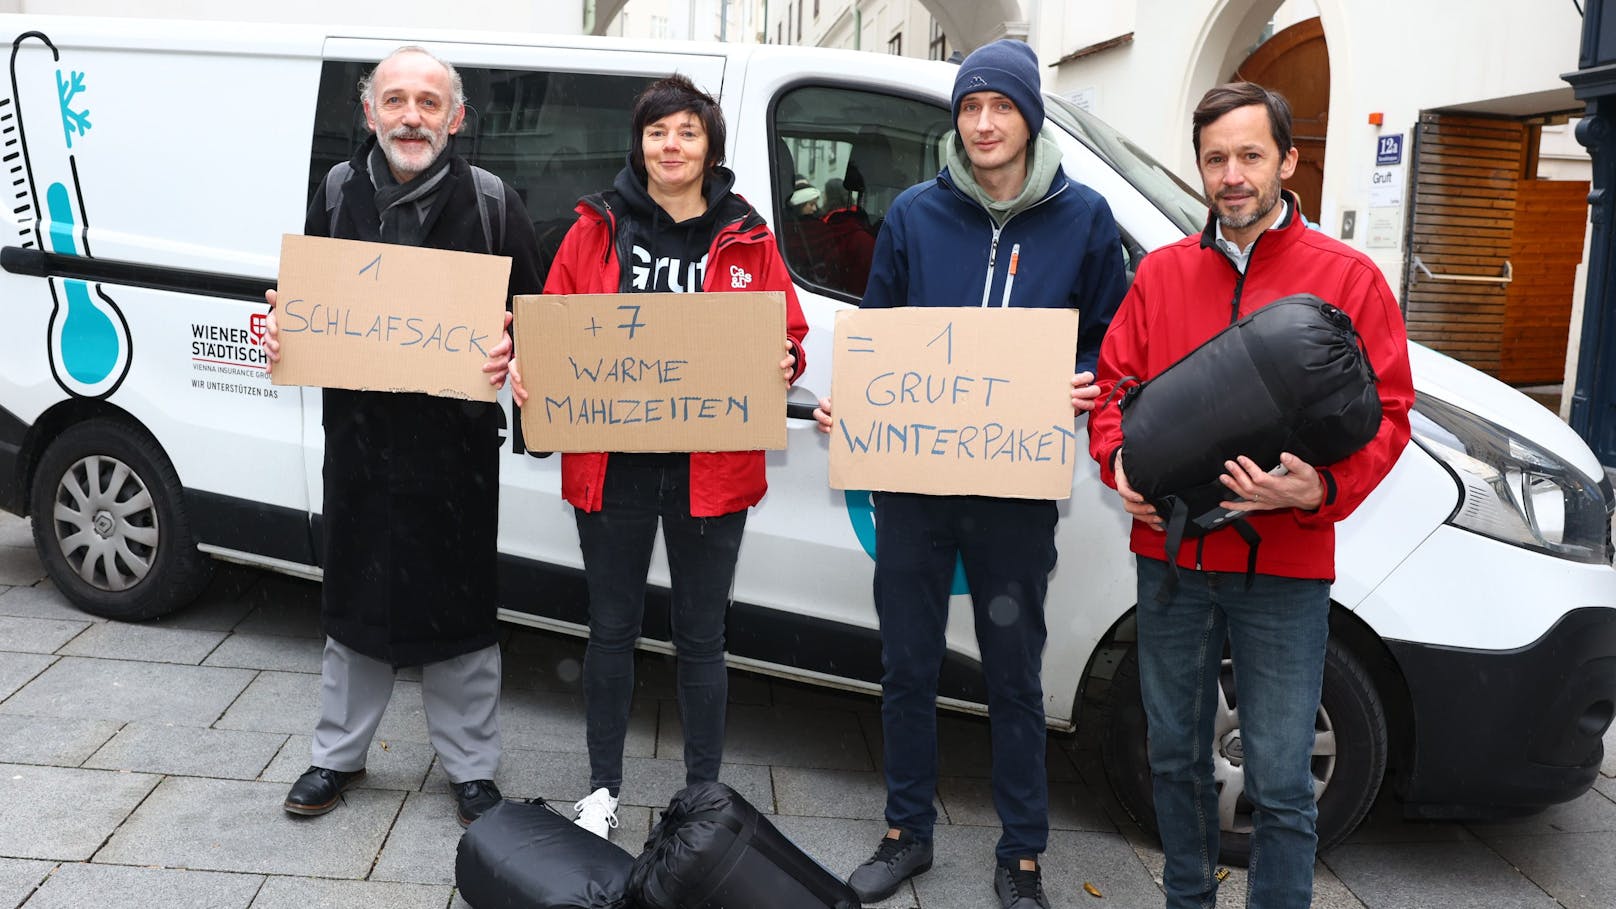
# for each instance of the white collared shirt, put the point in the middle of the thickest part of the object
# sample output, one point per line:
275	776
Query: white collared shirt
1241	256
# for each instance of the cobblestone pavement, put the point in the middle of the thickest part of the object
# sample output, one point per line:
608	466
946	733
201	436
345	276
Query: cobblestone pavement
144	765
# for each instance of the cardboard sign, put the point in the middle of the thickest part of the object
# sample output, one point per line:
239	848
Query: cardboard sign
382	317
653	372
954	401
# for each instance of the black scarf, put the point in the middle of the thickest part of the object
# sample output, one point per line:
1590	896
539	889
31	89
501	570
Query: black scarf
408	210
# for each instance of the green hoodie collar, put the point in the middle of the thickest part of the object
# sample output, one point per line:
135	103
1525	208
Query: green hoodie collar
1043	164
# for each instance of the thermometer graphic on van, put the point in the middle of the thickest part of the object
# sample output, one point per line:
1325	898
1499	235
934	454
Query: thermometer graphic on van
88	336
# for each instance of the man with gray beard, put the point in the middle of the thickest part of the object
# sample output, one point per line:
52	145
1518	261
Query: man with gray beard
412	481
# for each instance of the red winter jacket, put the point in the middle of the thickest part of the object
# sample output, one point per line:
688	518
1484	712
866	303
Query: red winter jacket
1185	293
743	256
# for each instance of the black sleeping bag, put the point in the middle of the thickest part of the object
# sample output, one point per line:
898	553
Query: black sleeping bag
1291	376
526	854
713	850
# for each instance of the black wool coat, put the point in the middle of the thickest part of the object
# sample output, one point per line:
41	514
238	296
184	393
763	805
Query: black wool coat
411	511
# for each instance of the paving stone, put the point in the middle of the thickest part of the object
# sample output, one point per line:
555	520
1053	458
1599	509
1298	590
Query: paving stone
51	740
130	691
63	814
1560	865
27	635
77	885
19	877
547	660
20	566
283	606
842	845
633	827
42	602
289	702
18	669
962	873
857	794
1590	812
1422	875
306	893
268	651
554	721
388	764
1071	805
421	847
563	777
226	825
16	531
781	736
188	751
965	748
147	642
1386	824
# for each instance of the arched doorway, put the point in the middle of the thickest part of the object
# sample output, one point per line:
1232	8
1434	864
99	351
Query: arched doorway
1296	63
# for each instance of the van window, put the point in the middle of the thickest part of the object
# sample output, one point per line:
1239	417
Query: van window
855	151
553	136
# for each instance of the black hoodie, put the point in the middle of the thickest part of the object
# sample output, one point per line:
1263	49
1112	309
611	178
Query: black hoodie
659	255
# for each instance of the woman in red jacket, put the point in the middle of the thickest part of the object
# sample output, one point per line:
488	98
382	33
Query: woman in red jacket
669	224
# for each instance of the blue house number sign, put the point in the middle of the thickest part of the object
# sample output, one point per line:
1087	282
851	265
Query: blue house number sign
1389	150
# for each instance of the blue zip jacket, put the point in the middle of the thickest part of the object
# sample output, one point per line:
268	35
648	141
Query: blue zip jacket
939	247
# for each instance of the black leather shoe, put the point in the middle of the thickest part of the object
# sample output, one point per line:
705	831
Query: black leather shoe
895	861
474	797
1018	889
318	790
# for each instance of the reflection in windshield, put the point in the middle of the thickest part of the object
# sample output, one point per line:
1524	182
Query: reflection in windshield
1176	199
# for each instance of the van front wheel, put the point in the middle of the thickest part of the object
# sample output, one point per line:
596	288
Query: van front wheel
1349	752
110	524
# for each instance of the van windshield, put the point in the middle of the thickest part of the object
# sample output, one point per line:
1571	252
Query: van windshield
1177	200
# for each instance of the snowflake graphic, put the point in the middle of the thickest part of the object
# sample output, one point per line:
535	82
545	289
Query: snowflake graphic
73	121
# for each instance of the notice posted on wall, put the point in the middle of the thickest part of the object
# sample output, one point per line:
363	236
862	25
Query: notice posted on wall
653	372
383	317
955	401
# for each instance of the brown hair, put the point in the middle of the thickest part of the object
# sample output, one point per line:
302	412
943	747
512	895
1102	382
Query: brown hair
1225	98
672	95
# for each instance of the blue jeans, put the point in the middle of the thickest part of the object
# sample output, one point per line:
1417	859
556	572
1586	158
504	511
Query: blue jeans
1277	632
617	543
1008	547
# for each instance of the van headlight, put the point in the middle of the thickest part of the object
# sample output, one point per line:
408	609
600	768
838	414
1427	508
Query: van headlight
1513	490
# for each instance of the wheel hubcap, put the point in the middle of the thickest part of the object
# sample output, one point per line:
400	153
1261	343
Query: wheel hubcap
106	523
1228	763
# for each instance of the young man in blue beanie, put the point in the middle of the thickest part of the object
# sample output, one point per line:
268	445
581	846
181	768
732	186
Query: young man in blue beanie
1001	197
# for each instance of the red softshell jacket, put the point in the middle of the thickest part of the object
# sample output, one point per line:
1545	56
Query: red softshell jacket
743	256
1187	292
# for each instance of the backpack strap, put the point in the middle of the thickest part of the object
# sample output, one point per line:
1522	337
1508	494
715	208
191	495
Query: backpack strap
334	179
490	208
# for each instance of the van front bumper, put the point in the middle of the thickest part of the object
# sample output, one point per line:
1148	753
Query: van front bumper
1502	732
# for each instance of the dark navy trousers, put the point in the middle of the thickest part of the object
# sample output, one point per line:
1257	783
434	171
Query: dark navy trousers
1008	549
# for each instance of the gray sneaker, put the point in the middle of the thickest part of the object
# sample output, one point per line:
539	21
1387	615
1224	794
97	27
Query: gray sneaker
895	861
1018	889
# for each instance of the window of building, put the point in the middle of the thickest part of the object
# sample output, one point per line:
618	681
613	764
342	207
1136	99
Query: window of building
857	150
895	44
799	23
937	48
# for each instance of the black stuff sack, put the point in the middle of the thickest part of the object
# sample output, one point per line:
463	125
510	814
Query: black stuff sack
528	855
1291	376
713	850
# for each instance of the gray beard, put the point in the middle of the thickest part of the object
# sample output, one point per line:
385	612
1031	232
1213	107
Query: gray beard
1265	205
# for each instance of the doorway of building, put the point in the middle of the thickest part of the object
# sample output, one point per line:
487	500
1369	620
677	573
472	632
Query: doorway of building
1296	63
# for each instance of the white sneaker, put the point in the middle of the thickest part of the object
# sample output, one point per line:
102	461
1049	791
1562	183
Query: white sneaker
597	812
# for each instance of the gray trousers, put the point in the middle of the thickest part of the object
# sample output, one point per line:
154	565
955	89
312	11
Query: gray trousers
461	697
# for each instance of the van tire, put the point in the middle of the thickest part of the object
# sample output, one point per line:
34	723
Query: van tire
110	523
1349	705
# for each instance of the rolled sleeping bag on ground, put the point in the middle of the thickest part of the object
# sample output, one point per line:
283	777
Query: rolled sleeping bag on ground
528	855
713	850
1291	376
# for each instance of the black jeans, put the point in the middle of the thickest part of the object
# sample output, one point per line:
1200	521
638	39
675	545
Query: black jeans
1008	547
617	543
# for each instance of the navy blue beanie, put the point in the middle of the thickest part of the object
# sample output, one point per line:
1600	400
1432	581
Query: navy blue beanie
1010	68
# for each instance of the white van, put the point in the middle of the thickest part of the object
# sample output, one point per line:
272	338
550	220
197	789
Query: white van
153	167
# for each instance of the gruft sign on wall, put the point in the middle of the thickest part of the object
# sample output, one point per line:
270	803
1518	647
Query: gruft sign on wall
653	372
954	400
382	317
